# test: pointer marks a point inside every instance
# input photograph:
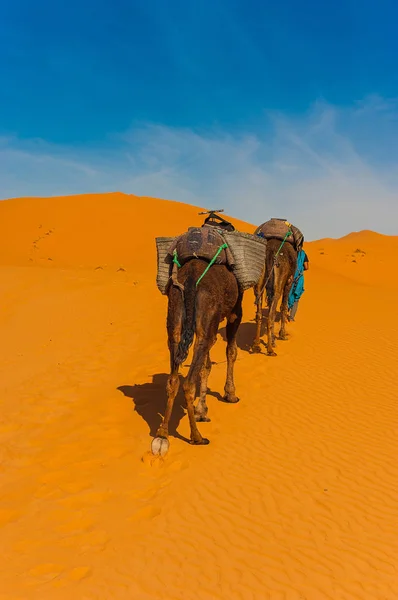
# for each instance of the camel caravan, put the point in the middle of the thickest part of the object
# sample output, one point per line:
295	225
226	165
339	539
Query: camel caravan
204	272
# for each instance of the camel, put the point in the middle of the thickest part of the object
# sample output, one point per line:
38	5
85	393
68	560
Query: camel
198	310
277	280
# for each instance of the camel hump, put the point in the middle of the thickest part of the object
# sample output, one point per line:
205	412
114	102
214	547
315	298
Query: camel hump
278	228
201	242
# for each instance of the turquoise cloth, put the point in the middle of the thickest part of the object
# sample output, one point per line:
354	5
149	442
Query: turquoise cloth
298	283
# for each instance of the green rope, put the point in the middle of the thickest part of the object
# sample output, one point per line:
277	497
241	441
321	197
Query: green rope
282	244
213	260
175	259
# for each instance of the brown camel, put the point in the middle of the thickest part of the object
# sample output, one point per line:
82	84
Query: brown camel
277	280
199	310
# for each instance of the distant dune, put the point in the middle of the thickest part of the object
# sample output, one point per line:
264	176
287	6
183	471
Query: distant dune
84	231
296	495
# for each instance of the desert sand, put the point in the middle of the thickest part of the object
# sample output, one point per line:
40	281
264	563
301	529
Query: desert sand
295	497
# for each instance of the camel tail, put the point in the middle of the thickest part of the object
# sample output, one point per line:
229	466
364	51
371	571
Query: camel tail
188	323
270	275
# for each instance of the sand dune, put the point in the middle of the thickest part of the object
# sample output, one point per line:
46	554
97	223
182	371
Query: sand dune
296	496
89	230
365	256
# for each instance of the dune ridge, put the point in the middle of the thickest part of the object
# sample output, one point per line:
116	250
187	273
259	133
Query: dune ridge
296	496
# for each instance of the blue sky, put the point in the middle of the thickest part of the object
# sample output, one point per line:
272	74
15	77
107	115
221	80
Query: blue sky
260	106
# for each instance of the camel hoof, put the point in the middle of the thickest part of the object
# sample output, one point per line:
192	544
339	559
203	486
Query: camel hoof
203	442
271	353
160	446
256	349
231	399
202	419
283	338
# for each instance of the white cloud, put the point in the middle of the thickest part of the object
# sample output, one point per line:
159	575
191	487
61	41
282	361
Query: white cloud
330	172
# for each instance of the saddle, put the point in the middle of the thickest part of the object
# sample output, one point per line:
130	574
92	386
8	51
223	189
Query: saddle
215	220
277	229
201	242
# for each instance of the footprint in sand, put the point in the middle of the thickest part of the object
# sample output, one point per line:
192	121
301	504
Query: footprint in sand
146	494
8	516
94	541
47	492
27	546
45	572
178	465
86	499
74	526
150	460
146	513
56	576
78	573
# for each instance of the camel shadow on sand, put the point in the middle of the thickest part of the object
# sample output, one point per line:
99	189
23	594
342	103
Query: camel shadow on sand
247	331
149	401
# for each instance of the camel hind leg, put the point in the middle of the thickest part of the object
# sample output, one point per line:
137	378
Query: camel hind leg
284	310
199	361
232	351
272	313
201	409
160	443
206	328
259	295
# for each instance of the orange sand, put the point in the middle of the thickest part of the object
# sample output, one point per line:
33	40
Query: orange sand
296	496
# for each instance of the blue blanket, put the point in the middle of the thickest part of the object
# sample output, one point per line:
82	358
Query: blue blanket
298	283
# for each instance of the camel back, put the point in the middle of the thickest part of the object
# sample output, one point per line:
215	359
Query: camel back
200	242
244	255
277	229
